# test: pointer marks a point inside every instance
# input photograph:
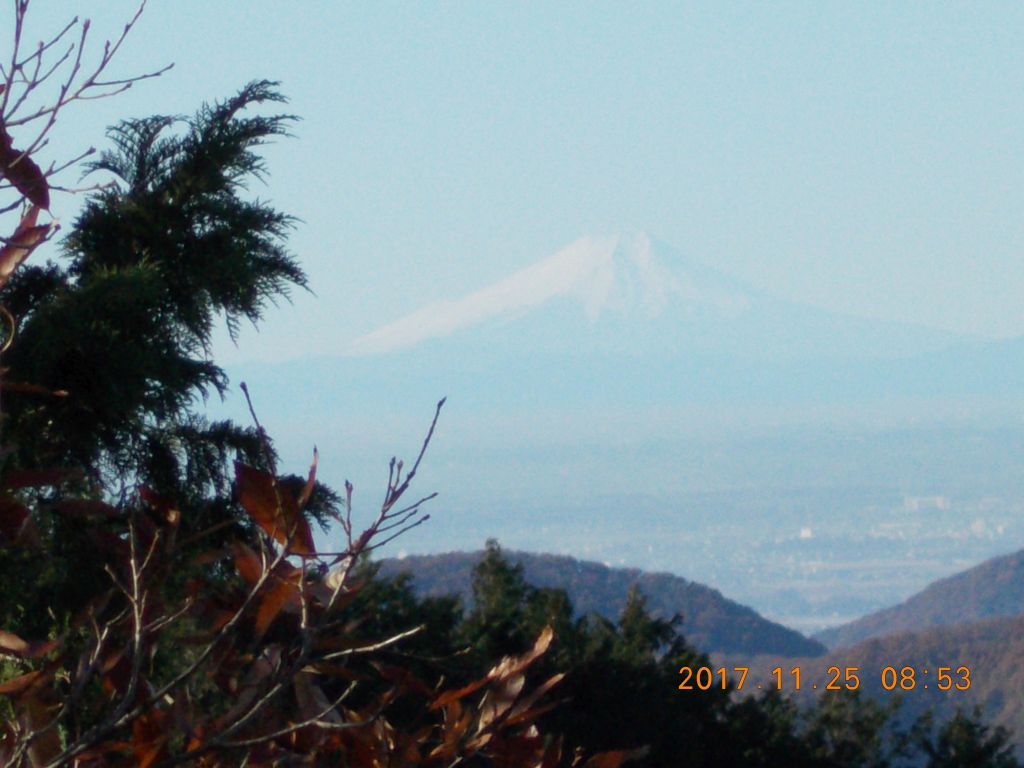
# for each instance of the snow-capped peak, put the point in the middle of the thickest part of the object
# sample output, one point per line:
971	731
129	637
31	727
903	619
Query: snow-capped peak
616	274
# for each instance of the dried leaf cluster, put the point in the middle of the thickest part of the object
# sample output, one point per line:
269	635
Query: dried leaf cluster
257	665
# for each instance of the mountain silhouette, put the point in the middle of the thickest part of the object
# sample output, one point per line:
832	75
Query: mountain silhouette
710	621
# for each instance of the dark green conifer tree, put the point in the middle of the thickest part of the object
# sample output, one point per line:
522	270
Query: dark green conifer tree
848	730
965	740
123	324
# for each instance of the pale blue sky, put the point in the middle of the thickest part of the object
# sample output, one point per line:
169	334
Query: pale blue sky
865	157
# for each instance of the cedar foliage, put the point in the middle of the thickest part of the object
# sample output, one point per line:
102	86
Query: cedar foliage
124	323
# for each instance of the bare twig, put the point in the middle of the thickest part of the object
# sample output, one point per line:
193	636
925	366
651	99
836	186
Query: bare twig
36	85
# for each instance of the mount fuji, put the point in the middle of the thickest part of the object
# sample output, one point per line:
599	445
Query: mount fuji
625	320
634	295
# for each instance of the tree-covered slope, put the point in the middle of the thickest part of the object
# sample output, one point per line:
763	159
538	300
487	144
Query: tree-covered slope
981	658
993	588
711	622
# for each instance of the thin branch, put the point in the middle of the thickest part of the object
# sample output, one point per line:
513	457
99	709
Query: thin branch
376	646
416	465
316	720
28	75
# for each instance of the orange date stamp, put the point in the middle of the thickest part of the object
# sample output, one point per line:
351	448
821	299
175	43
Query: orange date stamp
891	678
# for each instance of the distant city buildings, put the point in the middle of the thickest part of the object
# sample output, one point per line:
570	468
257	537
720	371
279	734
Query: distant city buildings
922	503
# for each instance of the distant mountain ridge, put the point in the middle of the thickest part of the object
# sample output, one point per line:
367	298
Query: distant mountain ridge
711	621
989	649
992	589
614	275
631	292
627	321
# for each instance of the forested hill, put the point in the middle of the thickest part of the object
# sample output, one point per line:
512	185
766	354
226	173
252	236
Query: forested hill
993	588
991	649
711	622
981	658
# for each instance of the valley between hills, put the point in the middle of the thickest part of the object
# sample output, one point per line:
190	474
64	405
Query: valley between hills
973	619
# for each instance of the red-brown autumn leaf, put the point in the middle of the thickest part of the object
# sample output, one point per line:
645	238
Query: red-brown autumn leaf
33	389
15	646
401	678
24	240
346	594
283	590
499	699
507	668
248	564
274	509
13	519
280	595
552	755
37	707
149	737
23	172
38	478
12	644
116	672
457	720
18	685
452	696
514	665
524	711
616	758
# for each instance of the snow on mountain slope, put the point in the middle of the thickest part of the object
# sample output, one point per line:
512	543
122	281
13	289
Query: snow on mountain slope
633	296
618	275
